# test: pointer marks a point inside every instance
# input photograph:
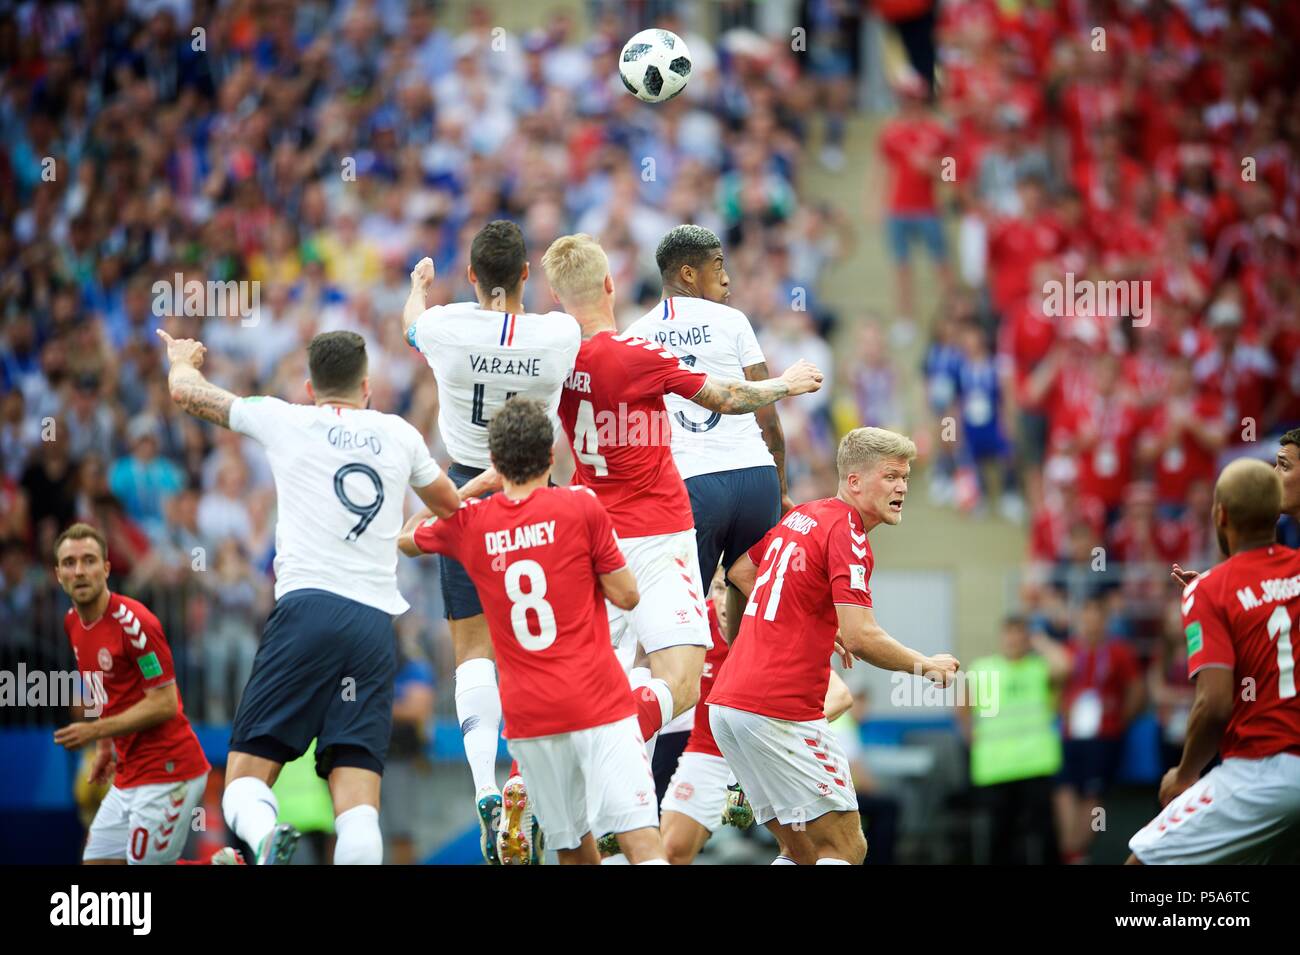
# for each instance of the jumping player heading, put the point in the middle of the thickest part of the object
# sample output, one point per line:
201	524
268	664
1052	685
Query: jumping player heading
733	465
482	353
613	413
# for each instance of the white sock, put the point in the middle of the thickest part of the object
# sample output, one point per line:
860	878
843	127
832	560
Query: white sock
617	859
358	840
783	860
478	708
654	862
833	862
250	809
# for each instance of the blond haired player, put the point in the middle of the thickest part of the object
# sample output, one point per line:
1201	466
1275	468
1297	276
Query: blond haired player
612	409
808	583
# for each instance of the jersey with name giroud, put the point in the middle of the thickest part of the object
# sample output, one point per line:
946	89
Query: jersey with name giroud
481	358
779	664
341	476
1241	615
613	413
121	656
719	341
536	564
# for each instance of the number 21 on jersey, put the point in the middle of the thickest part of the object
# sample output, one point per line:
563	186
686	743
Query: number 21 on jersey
779	567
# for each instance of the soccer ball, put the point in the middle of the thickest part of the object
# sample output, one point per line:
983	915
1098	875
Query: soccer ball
655	65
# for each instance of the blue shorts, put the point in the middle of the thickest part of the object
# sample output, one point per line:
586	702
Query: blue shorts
324	670
903	230
1090	766
732	510
459	598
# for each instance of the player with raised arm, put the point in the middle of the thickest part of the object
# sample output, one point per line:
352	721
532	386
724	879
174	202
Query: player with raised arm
806	581
325	667
544	559
482	353
613	413
1239	618
160	772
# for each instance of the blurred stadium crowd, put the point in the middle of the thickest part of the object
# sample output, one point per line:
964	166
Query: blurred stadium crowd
320	148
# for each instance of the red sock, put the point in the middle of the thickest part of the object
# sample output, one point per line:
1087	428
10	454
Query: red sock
514	769
649	714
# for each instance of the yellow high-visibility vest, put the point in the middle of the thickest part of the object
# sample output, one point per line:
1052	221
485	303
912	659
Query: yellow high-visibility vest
1013	732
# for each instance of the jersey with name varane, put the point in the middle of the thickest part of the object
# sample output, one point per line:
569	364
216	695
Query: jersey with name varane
613	412
779	663
121	656
719	341
340	482
482	358
536	564
1242	615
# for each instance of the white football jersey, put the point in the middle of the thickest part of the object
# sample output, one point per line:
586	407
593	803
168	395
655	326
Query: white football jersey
719	341
481	358
340	480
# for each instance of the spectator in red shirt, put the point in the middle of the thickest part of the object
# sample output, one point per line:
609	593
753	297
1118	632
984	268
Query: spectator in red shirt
1183	438
1103	694
1100	426
913	145
1018	243
1238	372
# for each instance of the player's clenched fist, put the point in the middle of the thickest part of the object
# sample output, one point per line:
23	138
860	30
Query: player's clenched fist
803	377
183	351
941	668
422	274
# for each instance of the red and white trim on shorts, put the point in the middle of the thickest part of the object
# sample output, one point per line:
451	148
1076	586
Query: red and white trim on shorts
684	569
827	762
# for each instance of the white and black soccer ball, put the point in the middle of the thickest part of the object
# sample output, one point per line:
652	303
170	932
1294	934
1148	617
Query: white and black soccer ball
655	65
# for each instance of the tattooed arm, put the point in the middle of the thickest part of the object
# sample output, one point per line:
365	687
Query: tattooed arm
745	397
194	393
769	422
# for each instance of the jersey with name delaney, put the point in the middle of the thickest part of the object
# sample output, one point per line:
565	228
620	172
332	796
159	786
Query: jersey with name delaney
521	538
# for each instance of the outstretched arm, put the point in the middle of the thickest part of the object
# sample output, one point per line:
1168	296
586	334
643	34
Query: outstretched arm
868	641
194	393
746	397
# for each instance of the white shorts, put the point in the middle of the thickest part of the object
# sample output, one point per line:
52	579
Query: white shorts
699	789
671	611
1242	811
791	772
146	825
596	780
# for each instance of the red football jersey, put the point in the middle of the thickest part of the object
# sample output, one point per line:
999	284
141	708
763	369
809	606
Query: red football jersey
779	664
701	738
536	564
1241	615
120	656
612	409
